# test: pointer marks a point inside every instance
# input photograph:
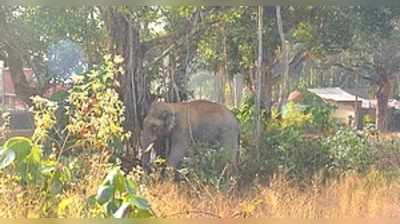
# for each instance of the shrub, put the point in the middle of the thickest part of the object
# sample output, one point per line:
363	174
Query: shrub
294	116
208	165
288	146
349	150
117	196
321	113
91	124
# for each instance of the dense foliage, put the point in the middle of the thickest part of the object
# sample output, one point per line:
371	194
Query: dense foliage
54	160
72	165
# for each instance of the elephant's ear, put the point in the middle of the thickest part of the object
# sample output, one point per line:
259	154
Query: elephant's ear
169	118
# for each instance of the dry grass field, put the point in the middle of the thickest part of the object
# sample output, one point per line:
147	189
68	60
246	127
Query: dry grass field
353	196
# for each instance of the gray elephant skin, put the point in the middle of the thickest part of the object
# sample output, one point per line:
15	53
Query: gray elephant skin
185	123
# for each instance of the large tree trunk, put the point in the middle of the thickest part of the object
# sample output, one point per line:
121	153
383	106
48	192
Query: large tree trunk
125	40
284	90
23	90
180	60
266	92
382	99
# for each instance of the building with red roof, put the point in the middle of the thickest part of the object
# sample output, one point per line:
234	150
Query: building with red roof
8	98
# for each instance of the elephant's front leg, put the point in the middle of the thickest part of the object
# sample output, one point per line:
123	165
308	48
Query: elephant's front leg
146	160
177	152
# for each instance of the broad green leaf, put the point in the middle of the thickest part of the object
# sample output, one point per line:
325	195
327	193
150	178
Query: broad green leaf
6	158
140	203
47	169
110	207
123	211
140	213
56	185
65	174
130	187
35	155
104	194
115	179
20	145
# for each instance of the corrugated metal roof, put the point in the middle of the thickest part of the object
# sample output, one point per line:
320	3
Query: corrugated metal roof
338	94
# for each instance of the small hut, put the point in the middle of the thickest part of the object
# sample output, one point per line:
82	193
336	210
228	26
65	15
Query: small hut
350	107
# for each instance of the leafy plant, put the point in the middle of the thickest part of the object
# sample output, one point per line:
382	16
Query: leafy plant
208	165
349	151
118	197
95	112
321	112
294	116
90	123
30	167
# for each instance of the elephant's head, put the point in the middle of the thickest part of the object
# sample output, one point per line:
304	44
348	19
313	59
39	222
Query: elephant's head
158	123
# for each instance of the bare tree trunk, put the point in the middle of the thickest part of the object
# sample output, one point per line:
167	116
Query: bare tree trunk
228	96
382	99
258	129
135	92
173	91
266	92
238	88
284	90
220	84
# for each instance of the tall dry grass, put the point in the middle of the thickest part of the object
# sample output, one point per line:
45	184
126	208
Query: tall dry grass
352	196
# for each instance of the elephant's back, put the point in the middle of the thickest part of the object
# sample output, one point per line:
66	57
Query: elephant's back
213	114
207	107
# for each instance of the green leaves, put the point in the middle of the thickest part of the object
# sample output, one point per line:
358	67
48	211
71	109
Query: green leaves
95	112
117	195
104	194
122	211
20	145
16	149
140	203
31	169
115	178
6	158
349	151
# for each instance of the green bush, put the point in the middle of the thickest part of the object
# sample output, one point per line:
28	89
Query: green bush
117	196
289	148
208	165
284	151
90	123
321	113
349	150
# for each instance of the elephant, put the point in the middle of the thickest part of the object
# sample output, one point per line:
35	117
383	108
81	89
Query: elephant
186	123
